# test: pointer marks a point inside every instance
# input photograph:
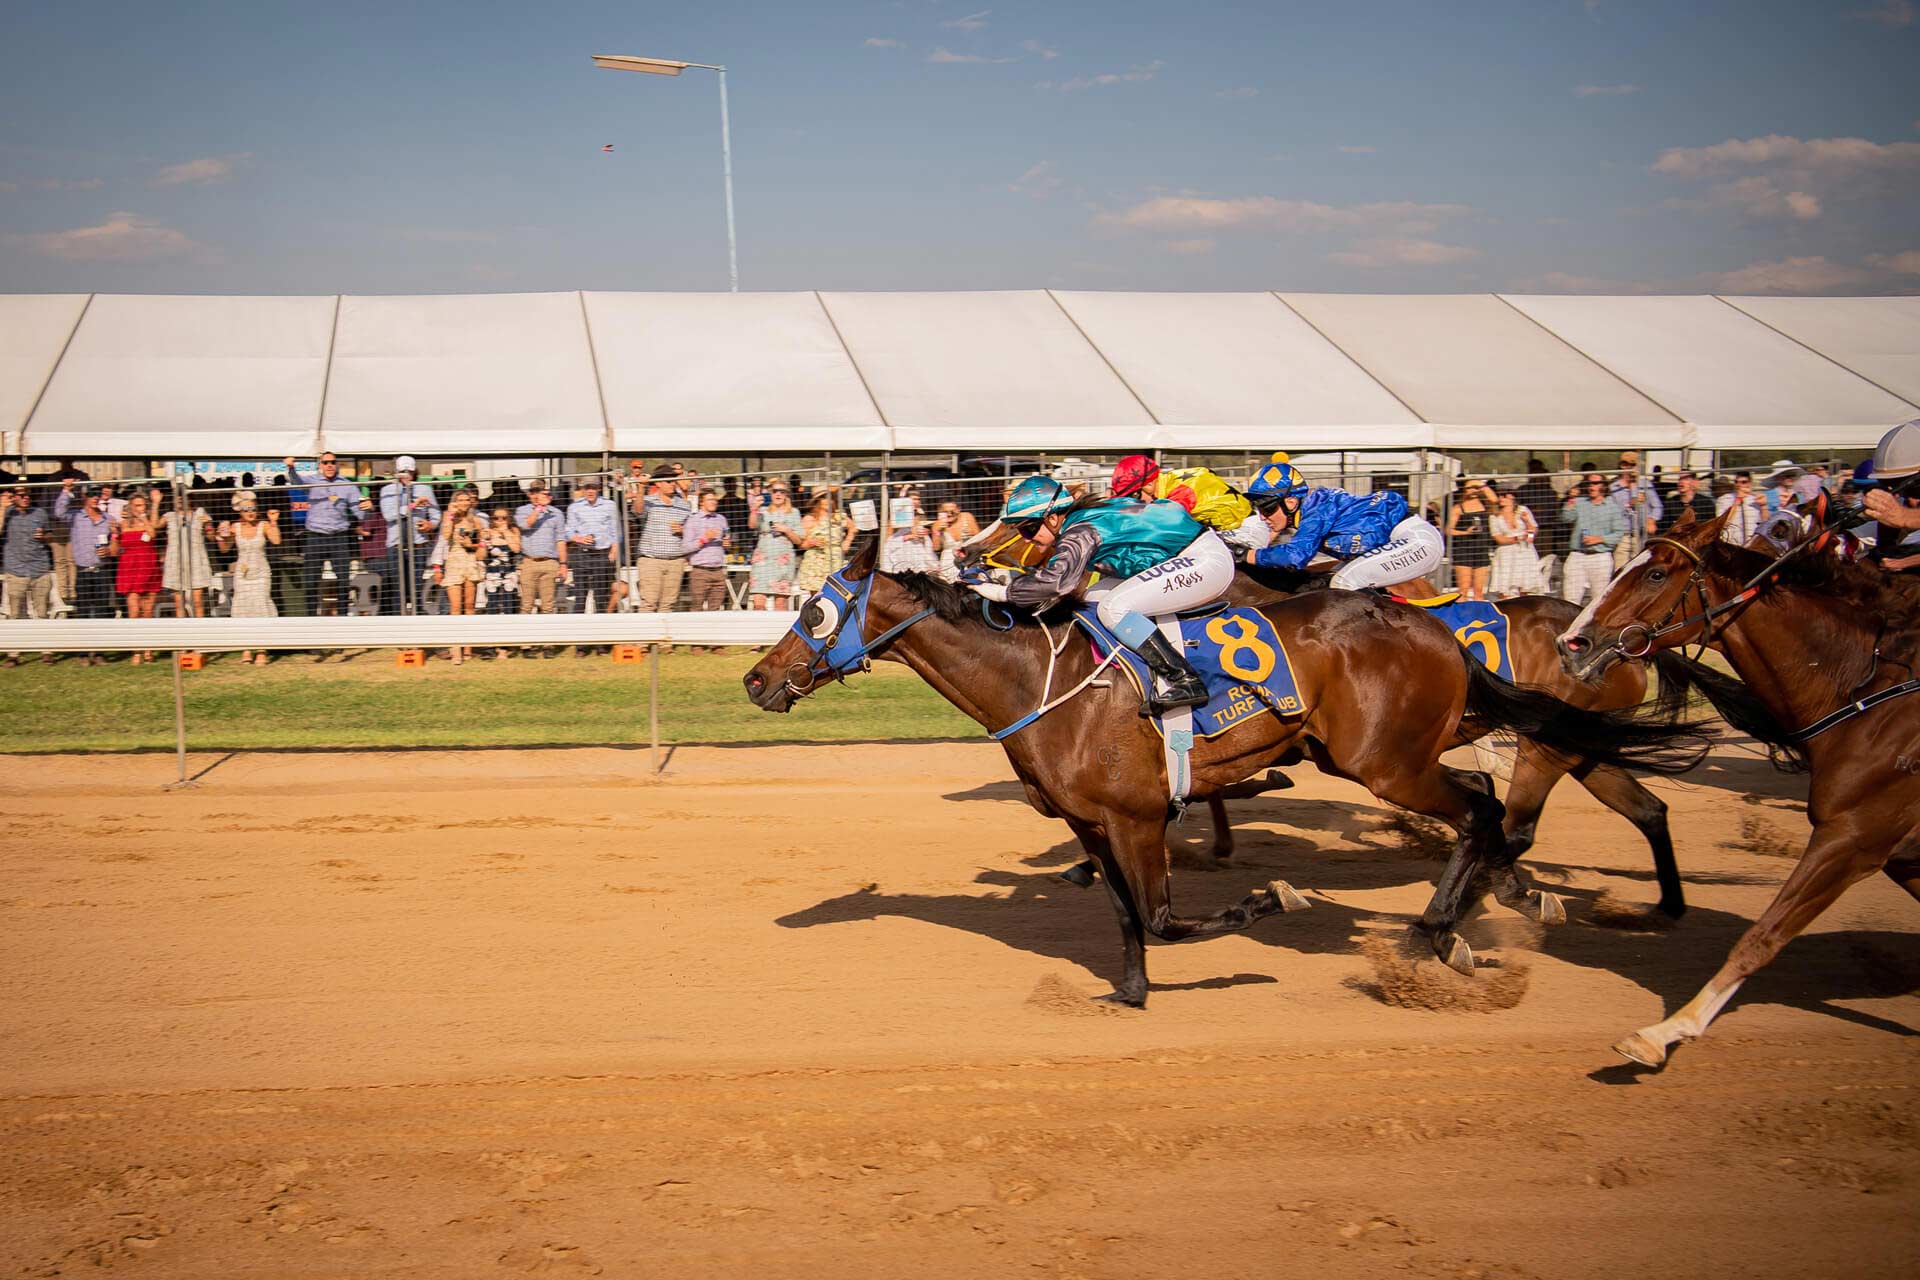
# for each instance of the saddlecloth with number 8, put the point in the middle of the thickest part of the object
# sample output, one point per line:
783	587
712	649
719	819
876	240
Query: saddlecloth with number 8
1238	654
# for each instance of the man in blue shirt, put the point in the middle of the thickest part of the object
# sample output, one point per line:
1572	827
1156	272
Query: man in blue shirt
413	523
91	534
593	531
1598	526
333	504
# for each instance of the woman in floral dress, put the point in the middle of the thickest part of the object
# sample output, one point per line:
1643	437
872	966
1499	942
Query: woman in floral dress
827	535
252	575
776	554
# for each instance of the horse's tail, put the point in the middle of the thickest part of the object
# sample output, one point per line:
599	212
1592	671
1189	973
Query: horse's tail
1681	678
1633	738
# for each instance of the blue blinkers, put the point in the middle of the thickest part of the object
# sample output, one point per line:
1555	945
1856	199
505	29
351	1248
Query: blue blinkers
833	626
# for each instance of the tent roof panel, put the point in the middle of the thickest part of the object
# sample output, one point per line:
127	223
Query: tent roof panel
1877	338
1203	359
34	328
1470	359
502	372
1719	368
709	370
980	362
164	376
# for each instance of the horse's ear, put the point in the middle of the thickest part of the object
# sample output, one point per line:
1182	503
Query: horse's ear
866	554
1686	519
1707	532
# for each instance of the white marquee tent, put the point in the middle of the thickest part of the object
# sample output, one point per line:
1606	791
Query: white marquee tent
577	373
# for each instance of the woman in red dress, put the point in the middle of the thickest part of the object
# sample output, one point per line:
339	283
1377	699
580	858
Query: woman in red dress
139	576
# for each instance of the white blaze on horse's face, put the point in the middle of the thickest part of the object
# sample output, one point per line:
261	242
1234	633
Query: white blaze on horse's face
1586	617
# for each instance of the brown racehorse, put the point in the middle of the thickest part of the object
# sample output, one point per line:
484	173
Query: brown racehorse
1535	625
1826	651
1383	688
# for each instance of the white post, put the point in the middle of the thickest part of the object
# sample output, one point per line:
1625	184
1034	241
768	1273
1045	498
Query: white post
726	172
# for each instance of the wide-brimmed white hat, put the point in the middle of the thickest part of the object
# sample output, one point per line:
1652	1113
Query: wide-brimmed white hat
1783	469
1899	453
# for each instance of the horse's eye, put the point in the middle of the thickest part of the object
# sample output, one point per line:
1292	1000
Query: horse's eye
1656	574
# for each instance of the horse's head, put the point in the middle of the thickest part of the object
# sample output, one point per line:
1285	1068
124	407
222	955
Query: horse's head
839	630
1636	613
1001	546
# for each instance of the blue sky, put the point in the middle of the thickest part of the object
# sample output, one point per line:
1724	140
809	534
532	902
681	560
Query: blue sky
1603	146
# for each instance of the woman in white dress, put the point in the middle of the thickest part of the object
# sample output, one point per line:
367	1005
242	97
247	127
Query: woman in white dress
189	569
1516	564
252	575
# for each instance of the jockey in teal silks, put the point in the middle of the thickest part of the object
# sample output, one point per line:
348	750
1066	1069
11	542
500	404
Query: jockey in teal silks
1168	561
1381	543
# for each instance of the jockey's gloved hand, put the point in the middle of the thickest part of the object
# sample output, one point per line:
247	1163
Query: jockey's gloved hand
974	573
994	591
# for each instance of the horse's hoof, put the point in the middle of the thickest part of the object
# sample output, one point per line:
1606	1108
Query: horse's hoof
1454	953
1284	894
1081	874
1547	908
1642	1049
1123	998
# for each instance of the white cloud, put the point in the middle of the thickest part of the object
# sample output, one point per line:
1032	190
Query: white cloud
882	42
199	172
972	22
1794	178
1132	75
1604	90
1039	50
1904	264
1401	253
1355	149
948	55
1894	15
1564	282
123	237
1273	215
1039	181
1793	275
1190	247
1241	94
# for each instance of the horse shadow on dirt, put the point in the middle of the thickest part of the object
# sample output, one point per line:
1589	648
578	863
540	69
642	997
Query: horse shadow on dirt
1043	915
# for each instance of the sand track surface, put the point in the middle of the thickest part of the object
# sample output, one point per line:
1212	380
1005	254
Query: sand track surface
822	1011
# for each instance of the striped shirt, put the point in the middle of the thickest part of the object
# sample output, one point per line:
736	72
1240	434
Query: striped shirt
599	520
659	540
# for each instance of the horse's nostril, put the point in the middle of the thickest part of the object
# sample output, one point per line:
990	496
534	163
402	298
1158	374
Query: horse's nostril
1577	644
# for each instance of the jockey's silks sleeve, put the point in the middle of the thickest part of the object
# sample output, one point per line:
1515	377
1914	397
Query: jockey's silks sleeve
1060	575
1315	521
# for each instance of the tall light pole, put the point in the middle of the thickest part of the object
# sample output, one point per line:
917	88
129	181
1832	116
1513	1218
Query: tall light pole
668	67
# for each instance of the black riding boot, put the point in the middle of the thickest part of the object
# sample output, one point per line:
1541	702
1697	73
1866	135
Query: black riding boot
1185	688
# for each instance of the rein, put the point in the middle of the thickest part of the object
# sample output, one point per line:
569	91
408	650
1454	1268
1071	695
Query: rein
1046	705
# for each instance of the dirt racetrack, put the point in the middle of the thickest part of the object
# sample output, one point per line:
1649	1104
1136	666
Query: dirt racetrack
820	1011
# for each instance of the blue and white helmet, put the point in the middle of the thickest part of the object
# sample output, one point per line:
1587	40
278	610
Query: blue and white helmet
1278	479
1034	497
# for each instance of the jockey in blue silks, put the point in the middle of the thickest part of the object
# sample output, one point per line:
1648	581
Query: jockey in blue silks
1381	543
1168	561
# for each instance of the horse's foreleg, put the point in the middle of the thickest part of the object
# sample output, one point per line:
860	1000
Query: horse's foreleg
1623	793
1140	850
1132	988
1534	773
1841	852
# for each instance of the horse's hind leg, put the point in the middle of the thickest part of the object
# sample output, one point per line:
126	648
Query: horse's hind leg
1439	792
1623	793
1222	827
1841	852
1534	773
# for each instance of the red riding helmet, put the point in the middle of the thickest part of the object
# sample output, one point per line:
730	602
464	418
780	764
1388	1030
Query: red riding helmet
1133	473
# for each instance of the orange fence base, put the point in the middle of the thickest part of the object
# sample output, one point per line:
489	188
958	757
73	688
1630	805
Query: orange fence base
410	658
192	661
629	653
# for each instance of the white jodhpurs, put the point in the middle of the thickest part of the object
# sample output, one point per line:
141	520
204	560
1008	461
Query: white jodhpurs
1414	550
1198	576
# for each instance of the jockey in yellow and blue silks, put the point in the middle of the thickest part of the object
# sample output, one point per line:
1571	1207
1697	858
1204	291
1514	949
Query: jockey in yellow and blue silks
1381	543
1167	560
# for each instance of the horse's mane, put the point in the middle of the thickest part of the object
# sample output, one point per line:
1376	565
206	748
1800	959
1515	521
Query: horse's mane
1871	592
954	603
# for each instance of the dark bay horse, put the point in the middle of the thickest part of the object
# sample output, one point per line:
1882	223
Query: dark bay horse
1383	687
1825	652
1535	625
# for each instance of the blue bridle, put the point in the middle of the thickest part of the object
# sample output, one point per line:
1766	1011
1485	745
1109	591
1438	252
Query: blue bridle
833	626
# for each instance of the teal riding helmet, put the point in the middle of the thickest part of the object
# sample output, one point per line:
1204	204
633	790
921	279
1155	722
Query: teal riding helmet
1034	497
